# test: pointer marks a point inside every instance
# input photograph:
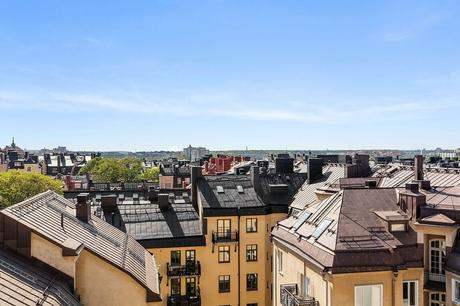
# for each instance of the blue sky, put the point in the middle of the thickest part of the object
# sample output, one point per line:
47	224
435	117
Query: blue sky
149	75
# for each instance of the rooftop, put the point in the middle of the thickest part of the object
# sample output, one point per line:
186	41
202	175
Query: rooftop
43	213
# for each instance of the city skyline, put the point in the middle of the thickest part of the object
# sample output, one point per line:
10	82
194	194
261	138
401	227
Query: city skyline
226	75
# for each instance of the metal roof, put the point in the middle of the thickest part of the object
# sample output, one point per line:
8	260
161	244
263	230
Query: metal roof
42	214
23	282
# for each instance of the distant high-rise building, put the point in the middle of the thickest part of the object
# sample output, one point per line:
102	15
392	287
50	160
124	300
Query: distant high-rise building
195	153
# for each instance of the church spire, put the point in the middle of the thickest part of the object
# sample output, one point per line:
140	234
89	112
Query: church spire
12	143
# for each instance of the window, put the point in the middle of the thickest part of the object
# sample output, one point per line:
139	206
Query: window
321	228
179	181
437	260
437	299
370	295
251	281
397	227
224	227
190	256
455	291
410	293
224	253
251	225
251	252
279	258
224	283
175	258
251	304
175	286
190	286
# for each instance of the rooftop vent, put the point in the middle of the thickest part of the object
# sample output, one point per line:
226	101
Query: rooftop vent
240	189
220	189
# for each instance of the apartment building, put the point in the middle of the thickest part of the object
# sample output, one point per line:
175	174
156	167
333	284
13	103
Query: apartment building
373	242
55	252
211	242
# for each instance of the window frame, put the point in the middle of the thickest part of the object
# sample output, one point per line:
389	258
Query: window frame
455	282
380	286
408	293
180	257
179	291
255	280
222	279
251	225
251	248
223	249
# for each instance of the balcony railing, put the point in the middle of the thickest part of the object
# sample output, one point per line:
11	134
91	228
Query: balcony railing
189	269
225	236
185	300
289	297
435	277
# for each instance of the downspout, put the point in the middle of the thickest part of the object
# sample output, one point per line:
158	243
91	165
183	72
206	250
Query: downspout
324	274
393	286
239	259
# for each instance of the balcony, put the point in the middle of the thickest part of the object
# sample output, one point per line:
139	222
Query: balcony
185	300
435	281
225	236
189	269
289	297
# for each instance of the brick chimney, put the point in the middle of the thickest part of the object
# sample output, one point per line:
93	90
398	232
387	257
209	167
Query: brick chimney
314	169
83	207
418	167
163	201
410	199
255	177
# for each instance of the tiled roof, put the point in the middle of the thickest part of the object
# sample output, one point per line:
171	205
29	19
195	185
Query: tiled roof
306	194
23	282
42	214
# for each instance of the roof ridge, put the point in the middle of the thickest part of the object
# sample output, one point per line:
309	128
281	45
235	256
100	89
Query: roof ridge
43	195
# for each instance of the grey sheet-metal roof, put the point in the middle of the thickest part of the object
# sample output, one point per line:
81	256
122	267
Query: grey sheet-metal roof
306	194
147	221
398	176
23	282
42	214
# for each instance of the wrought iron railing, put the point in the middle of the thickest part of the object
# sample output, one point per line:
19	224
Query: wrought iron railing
290	297
225	236
192	299
190	268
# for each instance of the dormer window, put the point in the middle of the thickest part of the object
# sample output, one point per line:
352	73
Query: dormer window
397	227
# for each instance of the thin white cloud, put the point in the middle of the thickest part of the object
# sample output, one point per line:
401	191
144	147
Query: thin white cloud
210	105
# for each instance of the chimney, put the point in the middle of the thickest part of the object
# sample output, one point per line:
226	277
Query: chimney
196	173
109	203
152	194
83	207
418	167
163	201
255	177
284	163
314	169
410	200
371	183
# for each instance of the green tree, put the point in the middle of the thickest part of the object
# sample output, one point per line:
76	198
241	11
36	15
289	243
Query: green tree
113	170
17	186
151	174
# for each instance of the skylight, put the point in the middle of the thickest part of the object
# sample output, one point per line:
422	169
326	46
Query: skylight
301	220
220	189
240	189
321	228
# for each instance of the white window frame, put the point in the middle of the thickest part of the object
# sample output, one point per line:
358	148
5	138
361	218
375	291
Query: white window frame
279	257
441	250
455	299
370	286
408	294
